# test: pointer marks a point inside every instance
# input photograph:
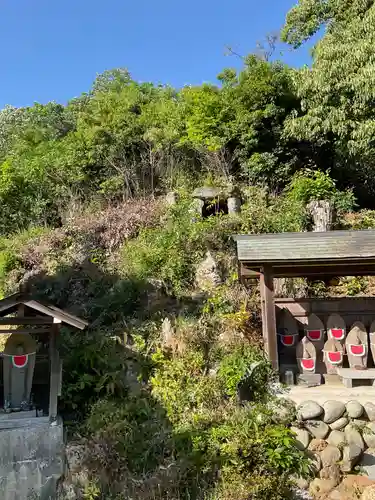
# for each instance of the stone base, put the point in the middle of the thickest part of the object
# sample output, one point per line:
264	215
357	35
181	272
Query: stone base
309	379
331	379
31	458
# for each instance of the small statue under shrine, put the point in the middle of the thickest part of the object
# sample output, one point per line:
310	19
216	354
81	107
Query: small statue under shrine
18	368
333	356
336	329
315	333
315	330
306	356
357	346
287	334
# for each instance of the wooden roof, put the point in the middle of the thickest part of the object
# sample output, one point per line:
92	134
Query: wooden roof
306	246
10	304
331	253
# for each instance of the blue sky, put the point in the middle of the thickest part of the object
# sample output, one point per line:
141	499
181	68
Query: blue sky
52	49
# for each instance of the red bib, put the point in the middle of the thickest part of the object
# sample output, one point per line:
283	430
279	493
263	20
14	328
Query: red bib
20	361
335	357
308	364
314	335
337	333
357	350
287	340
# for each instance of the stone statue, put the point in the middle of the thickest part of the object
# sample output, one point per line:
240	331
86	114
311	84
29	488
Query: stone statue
306	356
18	368
288	336
336	329
315	333
357	346
333	356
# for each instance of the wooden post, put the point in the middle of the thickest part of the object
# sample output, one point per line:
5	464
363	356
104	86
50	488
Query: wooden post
55	372
269	316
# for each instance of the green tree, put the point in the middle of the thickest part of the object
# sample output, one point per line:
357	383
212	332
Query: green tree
337	92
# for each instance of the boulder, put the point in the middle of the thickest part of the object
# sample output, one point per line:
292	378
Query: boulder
367	463
336	438
368	493
317	428
208	274
316	462
317	445
368	435
333	410
350	457
309	410
339	424
302	438
370	411
353	436
359	423
319	486
352	486
331	472
330	456
283	411
300	482
354	409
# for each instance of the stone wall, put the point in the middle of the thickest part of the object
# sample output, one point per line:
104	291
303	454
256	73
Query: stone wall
340	439
31	458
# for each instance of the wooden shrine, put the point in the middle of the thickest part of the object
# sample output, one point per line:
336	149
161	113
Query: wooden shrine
29	355
314	337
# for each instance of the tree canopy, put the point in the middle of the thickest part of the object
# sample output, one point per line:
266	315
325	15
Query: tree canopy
260	125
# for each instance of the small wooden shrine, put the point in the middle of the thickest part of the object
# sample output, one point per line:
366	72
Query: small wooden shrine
314	337
30	364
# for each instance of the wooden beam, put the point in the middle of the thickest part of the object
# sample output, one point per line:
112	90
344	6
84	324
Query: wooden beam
269	316
54	373
35	320
24	331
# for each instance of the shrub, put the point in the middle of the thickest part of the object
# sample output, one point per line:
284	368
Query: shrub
312	185
170	253
265	213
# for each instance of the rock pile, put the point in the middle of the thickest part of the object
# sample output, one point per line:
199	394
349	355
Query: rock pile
338	438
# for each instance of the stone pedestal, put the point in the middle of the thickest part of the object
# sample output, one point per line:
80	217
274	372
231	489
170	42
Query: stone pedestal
31	457
309	379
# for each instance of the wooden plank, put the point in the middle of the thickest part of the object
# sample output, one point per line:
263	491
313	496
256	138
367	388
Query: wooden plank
54	373
269	317
24	331
35	320
57	313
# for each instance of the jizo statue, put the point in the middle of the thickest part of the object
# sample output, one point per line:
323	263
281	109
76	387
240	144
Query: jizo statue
333	356
306	356
315	333
357	346
18	367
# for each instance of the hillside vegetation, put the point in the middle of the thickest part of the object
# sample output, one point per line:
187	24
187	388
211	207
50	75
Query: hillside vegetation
168	391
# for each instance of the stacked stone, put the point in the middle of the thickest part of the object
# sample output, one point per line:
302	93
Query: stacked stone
337	437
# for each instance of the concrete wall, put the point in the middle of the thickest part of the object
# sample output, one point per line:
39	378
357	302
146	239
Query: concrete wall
31	458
